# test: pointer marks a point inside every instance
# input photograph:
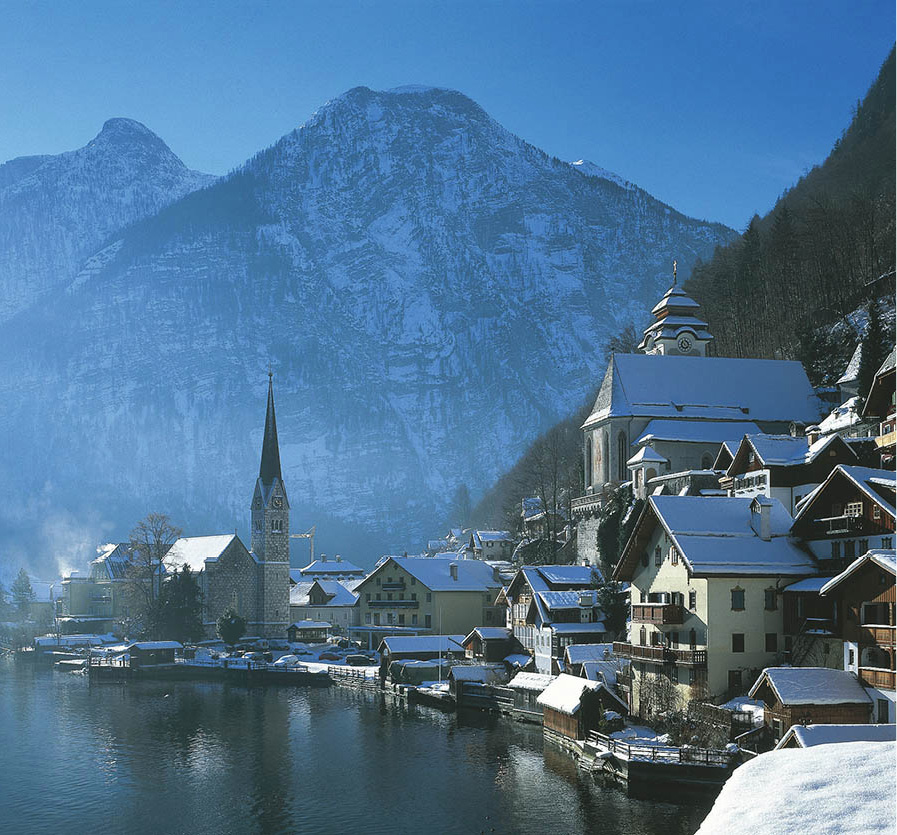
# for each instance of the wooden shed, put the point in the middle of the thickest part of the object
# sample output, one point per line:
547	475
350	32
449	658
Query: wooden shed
573	706
151	653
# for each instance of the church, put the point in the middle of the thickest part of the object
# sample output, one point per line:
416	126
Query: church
669	408
255	583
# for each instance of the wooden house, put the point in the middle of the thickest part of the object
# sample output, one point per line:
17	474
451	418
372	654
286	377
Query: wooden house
880	403
810	695
308	631
573	706
489	643
152	653
527	687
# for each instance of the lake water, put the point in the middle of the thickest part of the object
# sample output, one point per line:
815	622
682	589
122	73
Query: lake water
166	757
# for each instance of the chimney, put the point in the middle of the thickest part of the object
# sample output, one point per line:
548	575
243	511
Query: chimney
453	570
323	557
761	522
339	558
813	434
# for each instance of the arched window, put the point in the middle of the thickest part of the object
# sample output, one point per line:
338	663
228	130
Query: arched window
706	461
622	449
589	462
649	474
605	458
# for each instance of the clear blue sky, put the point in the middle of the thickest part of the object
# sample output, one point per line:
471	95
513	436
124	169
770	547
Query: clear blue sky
714	107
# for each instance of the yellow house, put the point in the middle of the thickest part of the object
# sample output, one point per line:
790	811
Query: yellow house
429	594
706	576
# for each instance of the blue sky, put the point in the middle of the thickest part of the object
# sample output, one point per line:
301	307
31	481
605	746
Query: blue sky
714	107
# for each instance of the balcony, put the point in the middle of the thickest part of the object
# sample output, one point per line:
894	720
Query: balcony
395	585
393	604
878	677
662	655
832	525
886	439
659	614
883	636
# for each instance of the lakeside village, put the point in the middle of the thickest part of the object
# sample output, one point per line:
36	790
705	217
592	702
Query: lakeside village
749	608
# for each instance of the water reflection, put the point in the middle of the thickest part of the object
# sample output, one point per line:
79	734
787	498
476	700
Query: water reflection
156	757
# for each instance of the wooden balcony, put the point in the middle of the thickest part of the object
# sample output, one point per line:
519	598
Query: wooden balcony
882	636
845	525
662	655
877	677
393	604
659	614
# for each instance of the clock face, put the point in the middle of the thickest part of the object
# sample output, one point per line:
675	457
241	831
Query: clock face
684	344
277	501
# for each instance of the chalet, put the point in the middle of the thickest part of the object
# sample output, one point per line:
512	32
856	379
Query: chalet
810	695
573	706
489	643
849	513
153	653
706	575
880	403
550	607
421	647
308	632
682	402
326	600
443	595
864	597
784	467
808	736
490	545
811	625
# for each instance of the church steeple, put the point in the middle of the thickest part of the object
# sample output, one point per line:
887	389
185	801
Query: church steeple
269	469
677	329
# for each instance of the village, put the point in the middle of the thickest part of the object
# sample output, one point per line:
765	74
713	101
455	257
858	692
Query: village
749	607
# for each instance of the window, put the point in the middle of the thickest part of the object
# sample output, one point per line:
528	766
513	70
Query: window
737	642
487	598
692	599
692	639
883	711
674	639
836	550
414	595
674	674
644	558
854	509
377	596
378	581
643	637
770	599
367	617
674	556
414	620
658	556
622	449
876	512
851	658
401	620
864	546
428	621
588	462
887	542
414	581
376	618
367	595
772	642
850	549
429	597
389	595
737	600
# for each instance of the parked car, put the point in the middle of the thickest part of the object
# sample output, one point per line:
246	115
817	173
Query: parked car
358	660
286	661
330	656
278	644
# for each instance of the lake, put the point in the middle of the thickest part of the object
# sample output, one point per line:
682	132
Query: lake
182	757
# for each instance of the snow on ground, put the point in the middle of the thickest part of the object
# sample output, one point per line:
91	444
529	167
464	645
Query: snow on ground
743	704
640	735
841	789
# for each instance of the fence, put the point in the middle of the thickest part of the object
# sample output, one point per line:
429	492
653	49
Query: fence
660	753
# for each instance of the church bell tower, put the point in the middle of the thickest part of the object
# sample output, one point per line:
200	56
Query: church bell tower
677	329
270	512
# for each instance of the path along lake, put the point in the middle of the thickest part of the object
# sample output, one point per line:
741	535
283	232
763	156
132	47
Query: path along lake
184	757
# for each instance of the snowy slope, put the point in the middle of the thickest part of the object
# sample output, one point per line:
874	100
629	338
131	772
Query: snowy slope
55	210
431	290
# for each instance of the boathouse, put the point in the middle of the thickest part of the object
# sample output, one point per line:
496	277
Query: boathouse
152	653
573	706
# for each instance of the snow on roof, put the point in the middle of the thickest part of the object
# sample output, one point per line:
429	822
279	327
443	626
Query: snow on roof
715	536
564	694
554	600
435	574
326	566
570	574
491	633
883	557
310	624
493	536
578	628
697	431
579	653
715	388
871	482
647	453
151	645
530	681
811	584
674	297
852	372
299	593
518	659
843	416
195	551
807	736
401	644
486	674
842	790
786	450
812	686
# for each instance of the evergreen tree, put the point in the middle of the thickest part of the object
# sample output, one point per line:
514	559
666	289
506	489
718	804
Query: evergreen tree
875	349
22	594
459	514
231	627
180	608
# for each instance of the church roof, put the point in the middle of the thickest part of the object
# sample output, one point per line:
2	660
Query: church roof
697	431
196	551
709	388
270	465
674	298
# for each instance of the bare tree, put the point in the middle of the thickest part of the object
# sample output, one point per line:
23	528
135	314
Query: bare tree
150	541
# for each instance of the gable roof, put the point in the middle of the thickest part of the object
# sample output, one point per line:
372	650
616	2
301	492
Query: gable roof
490	633
435	644
811	686
786	450
580	653
807	736
435	574
330	567
877	485
884	558
196	551
714	388
696	431
565	694
714	536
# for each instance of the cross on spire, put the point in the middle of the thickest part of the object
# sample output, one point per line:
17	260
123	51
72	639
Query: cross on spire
674	273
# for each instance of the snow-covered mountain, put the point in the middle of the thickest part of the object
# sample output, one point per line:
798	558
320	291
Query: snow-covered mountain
431	291
55	210
590	169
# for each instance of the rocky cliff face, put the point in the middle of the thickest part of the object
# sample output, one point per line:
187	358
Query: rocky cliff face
430	290
56	210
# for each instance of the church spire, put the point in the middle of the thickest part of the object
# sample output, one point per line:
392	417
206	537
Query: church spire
270	466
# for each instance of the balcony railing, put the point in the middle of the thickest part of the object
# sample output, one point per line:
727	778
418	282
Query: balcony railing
393	604
662	655
585	505
659	614
878	677
840	524
883	636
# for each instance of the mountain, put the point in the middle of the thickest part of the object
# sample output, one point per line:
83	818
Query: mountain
590	169
55	210
430	290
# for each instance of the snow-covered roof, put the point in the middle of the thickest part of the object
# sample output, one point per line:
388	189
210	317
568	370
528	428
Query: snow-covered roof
715	536
335	567
196	551
883	557
807	736
810	584
852	372
843	416
402	644
843	789
812	686
564	694
877	485
486	674
578	628
569	574
645	455
530	681
490	633
554	600
493	536
436	574
518	659
697	431
299	593
675	297
580	653
151	645
786	450
713	388
311	624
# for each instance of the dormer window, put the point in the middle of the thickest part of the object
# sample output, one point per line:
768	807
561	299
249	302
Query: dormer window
854	509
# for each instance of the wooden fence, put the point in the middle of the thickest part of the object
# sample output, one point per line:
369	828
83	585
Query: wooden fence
659	753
